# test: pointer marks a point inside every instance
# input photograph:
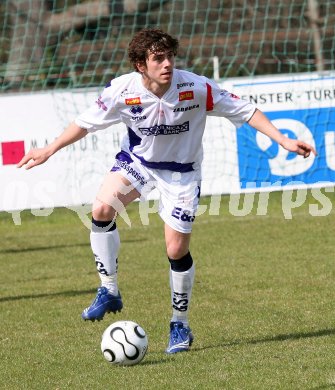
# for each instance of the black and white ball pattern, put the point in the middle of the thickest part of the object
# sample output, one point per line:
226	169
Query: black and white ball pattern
124	343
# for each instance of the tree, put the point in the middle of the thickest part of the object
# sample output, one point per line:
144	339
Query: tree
35	28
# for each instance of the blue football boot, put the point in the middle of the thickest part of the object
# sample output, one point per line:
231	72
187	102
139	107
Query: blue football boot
181	338
103	303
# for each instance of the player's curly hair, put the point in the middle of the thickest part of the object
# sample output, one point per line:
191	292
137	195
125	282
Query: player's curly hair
150	40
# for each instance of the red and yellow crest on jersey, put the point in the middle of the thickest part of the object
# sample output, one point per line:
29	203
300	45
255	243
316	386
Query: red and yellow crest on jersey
186	95
133	101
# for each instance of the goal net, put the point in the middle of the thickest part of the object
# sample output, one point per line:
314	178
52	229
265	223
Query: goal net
48	44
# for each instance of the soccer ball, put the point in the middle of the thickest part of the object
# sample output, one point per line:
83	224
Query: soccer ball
124	343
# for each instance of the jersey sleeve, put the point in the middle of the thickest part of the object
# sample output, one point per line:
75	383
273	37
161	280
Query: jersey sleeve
223	103
102	113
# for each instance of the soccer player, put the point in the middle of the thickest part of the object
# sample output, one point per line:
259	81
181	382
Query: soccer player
165	112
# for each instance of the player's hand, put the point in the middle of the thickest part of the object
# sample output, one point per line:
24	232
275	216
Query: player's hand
34	157
299	147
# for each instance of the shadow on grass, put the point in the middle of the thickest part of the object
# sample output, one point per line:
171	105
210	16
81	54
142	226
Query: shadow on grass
48	295
152	362
41	248
47	248
279	337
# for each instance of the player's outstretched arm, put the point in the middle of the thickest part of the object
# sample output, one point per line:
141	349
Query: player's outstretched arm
39	156
261	123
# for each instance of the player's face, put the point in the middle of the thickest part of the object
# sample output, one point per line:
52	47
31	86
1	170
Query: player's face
158	69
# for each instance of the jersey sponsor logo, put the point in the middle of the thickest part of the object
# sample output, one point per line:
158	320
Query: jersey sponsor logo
101	104
182	109
186	95
165	129
124	93
138	118
133	101
130	171
183	215
234	96
183	85
136	110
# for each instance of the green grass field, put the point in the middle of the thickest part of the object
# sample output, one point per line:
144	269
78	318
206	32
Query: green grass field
262	312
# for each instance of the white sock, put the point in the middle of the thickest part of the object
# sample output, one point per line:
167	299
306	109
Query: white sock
181	284
105	247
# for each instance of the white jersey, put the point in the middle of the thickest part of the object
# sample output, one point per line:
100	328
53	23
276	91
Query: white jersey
164	133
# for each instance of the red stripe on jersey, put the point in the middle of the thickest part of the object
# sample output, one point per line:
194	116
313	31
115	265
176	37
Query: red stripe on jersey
12	152
209	101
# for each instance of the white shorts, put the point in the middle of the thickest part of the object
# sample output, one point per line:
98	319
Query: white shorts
179	192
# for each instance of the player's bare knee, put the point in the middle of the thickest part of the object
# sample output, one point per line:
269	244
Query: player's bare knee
102	211
176	250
